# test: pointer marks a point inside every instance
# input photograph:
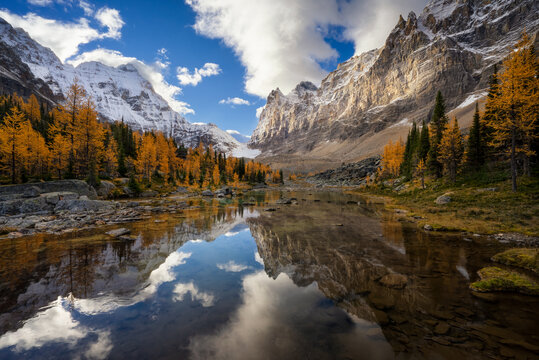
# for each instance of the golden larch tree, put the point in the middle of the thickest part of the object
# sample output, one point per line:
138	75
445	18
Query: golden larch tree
451	149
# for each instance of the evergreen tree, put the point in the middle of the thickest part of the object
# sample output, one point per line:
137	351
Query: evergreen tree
410	152
424	143
438	124
475	148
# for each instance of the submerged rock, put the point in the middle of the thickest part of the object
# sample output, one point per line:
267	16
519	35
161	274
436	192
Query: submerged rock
118	232
395	281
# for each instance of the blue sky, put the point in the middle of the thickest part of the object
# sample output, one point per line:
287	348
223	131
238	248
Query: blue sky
215	50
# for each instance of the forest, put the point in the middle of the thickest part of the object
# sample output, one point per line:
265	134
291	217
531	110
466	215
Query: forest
40	142
504	135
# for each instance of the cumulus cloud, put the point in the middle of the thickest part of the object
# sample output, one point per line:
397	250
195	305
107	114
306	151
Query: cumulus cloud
111	19
181	290
186	77
86	7
151	73
282	42
234	101
368	22
231	266
65	37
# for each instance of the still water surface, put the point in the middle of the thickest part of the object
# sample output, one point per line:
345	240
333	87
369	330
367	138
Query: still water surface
227	282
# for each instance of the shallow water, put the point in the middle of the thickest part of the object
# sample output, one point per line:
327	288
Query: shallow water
227	282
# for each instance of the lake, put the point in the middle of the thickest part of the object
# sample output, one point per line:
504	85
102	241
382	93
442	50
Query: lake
224	281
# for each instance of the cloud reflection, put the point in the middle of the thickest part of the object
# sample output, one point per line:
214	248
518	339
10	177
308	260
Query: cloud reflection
231	266
56	324
180	290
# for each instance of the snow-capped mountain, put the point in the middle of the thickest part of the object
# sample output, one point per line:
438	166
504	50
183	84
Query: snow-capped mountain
452	46
118	92
239	136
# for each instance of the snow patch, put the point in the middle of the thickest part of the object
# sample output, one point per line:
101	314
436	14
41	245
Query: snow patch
471	99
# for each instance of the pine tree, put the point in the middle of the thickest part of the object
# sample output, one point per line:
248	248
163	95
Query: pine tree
438	123
451	150
475	148
515	107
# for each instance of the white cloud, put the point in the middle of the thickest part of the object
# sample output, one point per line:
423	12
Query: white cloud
40	2
231	266
111	19
65	37
282	42
86	7
150	73
368	22
185	77
234	101
180	290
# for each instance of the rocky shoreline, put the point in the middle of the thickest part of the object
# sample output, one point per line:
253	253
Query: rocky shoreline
69	205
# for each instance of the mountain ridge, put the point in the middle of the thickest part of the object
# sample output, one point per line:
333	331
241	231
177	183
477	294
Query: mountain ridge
451	46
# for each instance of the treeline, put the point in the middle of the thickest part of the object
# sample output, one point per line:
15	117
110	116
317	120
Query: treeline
507	130
68	141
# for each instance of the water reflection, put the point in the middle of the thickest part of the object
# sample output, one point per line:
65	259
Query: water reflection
223	281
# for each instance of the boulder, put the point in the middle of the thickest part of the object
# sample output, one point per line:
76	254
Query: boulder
182	190
10	207
31	191
81	205
105	188
207	193
284	201
53	197
33	205
35	189
443	199
122	181
428	227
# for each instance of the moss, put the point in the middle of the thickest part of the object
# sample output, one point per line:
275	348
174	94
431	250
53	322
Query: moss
520	257
496	279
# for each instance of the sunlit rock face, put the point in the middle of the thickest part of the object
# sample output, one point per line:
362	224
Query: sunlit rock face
451	46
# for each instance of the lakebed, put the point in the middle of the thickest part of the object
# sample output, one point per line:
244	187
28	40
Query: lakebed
320	275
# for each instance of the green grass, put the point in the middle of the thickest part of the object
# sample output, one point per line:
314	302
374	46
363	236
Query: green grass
519	257
485	212
496	279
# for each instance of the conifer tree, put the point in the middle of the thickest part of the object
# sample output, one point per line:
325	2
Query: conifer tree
475	148
438	123
424	142
451	150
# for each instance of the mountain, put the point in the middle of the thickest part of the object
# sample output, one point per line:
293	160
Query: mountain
118	92
238	136
452	46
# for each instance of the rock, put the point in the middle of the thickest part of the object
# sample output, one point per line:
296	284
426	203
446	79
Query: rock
441	329
53	197
428	227
182	190
76	186
118	232
207	193
395	281
347	174
81	205
15	234
487	189
122	181
11	207
37	204
443	199
149	193
270	209
381	302
31	191
284	201
105	188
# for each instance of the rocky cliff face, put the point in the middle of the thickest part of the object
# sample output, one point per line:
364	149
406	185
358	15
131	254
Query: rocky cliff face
119	93
451	47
